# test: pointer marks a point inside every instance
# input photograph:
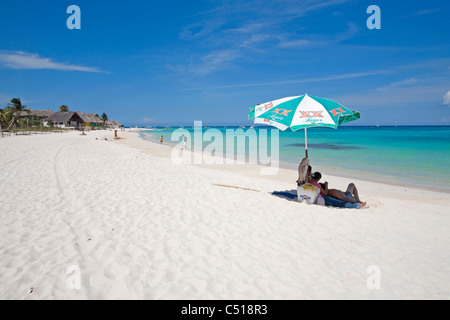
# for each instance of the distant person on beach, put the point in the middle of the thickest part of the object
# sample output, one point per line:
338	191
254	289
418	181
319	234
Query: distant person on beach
162	139
184	142
115	134
350	196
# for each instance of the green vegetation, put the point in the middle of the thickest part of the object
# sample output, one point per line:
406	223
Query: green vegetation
104	118
64	108
16	118
14	109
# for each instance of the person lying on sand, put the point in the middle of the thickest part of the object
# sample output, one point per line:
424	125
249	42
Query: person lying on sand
350	196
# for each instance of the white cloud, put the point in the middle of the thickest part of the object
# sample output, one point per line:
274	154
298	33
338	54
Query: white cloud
209	63
28	61
420	13
422	92
315	40
6	99
227	34
148	121
297	43
300	80
446	101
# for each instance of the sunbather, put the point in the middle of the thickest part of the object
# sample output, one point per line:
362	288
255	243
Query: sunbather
350	196
314	180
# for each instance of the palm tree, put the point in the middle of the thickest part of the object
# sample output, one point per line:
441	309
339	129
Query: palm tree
16	107
63	108
3	116
104	118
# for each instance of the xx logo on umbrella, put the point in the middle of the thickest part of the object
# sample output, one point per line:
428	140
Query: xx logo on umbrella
263	108
282	112
335	111
311	114
268	105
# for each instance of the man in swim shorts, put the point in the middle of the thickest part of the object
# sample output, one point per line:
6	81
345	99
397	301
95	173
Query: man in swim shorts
350	196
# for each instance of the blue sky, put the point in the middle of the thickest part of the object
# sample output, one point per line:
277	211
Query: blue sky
173	62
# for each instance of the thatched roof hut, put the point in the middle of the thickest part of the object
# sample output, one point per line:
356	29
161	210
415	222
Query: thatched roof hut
66	119
90	119
113	124
41	114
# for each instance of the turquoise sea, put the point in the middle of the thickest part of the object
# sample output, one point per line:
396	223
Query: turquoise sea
403	155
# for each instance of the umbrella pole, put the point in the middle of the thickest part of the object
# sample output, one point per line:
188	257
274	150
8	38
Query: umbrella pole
306	142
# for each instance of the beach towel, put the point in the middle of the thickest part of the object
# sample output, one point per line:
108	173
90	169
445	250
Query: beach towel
332	202
288	195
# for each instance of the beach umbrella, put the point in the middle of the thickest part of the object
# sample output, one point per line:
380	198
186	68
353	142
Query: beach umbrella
302	112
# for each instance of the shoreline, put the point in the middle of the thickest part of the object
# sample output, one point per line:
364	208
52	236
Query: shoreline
349	174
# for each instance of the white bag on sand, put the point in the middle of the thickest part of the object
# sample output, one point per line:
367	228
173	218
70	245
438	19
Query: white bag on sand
307	193
320	201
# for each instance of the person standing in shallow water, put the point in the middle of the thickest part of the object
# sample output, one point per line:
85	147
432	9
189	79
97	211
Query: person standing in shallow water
184	142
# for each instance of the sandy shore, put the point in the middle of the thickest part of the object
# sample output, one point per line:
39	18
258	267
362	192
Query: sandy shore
82	218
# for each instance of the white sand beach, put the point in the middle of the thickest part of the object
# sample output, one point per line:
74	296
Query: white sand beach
82	218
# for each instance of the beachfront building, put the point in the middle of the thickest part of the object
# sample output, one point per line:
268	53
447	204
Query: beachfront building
91	120
65	120
112	124
40	114
77	120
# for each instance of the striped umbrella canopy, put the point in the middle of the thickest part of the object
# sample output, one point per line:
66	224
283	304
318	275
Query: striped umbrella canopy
302	112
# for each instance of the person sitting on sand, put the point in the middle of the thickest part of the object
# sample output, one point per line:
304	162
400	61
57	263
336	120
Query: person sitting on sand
349	196
304	172
314	180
